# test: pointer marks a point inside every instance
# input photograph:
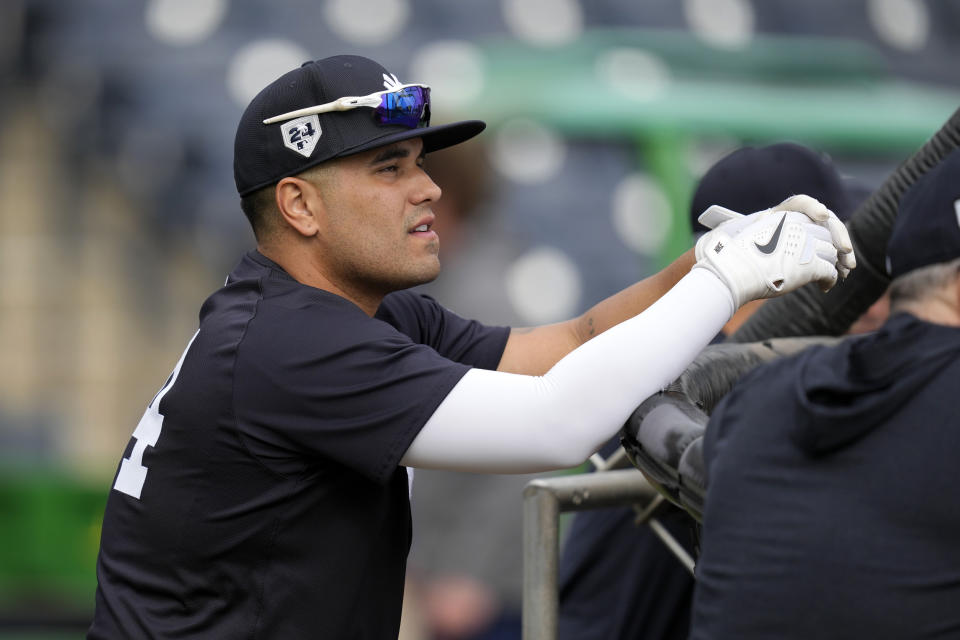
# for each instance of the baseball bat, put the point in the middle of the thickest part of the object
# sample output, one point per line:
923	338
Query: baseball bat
663	436
809	311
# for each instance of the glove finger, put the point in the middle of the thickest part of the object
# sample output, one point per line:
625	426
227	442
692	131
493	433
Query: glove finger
848	260
827	275
816	241
826	251
715	215
841	237
810	207
811	229
829	253
820	214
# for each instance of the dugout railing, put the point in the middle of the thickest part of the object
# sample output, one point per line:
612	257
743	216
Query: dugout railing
662	453
544	499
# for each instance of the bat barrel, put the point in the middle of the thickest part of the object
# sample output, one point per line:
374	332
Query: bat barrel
808	311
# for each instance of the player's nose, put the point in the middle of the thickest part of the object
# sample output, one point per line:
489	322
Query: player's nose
426	189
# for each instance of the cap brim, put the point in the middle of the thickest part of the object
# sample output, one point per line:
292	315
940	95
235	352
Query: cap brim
434	138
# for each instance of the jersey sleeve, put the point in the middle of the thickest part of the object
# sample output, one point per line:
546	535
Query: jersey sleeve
425	321
328	383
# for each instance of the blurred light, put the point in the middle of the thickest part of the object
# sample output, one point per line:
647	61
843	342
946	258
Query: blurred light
544	22
184	22
368	22
527	152
259	63
149	159
633	73
544	285
904	24
454	69
721	23
641	214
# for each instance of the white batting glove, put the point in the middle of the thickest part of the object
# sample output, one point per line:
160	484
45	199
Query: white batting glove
821	215
813	209
771	252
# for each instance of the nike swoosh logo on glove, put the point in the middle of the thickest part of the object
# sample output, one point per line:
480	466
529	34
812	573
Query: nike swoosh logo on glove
771	246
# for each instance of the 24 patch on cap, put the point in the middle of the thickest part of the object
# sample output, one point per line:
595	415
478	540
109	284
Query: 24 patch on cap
301	135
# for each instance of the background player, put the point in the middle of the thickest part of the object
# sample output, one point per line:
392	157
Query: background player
616	578
839	519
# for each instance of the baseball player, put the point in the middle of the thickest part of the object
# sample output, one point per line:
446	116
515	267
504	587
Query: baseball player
265	490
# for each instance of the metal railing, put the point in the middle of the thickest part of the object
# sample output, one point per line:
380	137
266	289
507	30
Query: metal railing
544	499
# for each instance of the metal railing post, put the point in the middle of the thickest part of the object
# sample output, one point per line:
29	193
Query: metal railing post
541	550
543	501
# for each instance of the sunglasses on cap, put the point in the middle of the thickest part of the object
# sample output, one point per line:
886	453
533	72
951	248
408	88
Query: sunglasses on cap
407	105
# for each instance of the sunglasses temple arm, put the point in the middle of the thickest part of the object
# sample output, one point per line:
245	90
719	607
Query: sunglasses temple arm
290	115
339	105
343	104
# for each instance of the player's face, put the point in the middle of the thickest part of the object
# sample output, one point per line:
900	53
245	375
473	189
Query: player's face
378	234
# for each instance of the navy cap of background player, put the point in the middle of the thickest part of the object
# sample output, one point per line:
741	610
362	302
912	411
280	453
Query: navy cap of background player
262	154
927	228
757	178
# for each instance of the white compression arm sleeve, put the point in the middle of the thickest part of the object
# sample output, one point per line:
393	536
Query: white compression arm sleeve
496	422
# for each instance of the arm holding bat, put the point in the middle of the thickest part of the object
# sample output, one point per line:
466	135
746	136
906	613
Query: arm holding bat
495	421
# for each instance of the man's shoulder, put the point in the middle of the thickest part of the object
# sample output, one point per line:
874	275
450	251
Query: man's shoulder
257	281
763	400
261	314
411	313
774	377
407	302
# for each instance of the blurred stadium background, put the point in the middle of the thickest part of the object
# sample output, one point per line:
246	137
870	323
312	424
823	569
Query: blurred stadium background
118	213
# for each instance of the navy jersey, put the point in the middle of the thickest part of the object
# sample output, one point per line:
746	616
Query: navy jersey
261	494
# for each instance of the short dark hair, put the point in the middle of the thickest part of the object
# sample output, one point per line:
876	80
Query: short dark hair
260	207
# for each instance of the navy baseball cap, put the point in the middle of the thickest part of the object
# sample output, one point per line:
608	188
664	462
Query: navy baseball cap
265	153
756	178
927	227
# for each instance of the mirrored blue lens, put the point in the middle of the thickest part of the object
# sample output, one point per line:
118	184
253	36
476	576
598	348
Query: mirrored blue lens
409	107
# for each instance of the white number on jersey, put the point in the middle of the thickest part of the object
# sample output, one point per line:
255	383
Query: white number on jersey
132	473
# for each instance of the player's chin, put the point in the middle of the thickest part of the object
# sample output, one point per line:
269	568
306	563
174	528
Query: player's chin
423	271
431	269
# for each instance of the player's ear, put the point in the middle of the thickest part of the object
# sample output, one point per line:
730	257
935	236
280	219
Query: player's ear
300	205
